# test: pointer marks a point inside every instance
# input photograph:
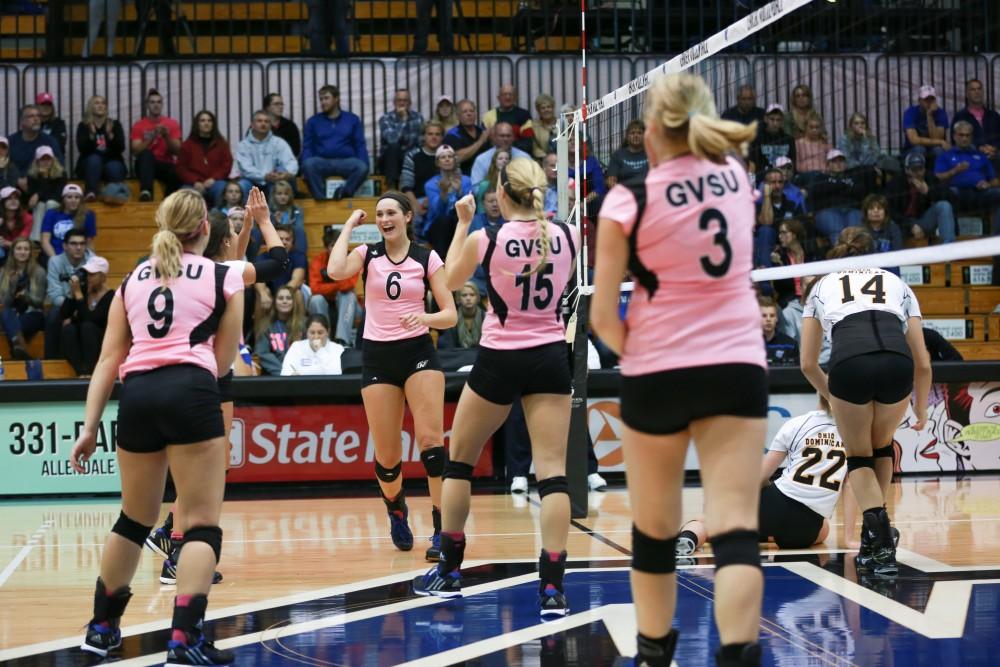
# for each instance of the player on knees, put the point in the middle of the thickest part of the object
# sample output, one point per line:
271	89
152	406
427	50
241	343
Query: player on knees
528	262
691	368
878	360
399	363
173	324
795	510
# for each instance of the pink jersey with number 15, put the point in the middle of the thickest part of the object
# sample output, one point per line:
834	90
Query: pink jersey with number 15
176	324
693	303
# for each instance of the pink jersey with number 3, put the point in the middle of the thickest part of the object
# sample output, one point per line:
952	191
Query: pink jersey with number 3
693	303
176	324
525	305
395	289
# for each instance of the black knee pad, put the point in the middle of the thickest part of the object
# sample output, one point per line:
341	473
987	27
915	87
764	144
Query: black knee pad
856	462
210	535
736	547
131	530
552	485
388	475
883	452
457	470
434	460
652	555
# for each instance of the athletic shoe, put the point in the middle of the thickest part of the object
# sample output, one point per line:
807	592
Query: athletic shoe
895	537
519	485
159	542
168	575
203	652
102	638
433	583
434	550
399	528
145	195
596	483
552	603
875	554
685	546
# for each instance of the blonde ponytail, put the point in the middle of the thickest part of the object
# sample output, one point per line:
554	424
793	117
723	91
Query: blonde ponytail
179	217
524	183
683	104
166	255
542	224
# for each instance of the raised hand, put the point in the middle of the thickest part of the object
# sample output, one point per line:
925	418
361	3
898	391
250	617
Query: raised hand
466	209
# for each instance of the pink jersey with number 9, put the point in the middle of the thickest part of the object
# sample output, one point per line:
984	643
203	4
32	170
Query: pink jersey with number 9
690	227
176	324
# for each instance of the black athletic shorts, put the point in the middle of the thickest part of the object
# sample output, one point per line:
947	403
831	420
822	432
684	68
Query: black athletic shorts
789	522
885	377
226	388
667	402
394	361
172	405
500	376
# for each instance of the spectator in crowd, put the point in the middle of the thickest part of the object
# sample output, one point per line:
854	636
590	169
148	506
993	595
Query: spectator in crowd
419	166
920	203
550	165
264	158
836	197
446	42
334	145
542	130
885	233
800	106
156	141
399	132
772	142
508	112
327	18
985	121
72	213
791	250
10	175
284	211
444	112
278	323
630	160
501	158
205	159
57	287
317	354
858	144
811	149
443	191
46	180
782	350
939	348
773	208
26	141
85	315
52	125
970	175
15	221
101	11
489	218
281	126
22	295
100	145
924	126
328	293
294	276
791	320
746	110
468	138
469	328
232	198
791	191
503	139
594	184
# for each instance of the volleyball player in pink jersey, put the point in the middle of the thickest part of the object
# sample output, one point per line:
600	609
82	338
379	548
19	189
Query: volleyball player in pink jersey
692	360
522	352
399	362
173	324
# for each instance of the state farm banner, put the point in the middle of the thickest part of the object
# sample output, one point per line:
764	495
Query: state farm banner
319	442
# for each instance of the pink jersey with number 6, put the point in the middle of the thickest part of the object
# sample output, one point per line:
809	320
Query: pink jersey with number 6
395	289
690	258
176	324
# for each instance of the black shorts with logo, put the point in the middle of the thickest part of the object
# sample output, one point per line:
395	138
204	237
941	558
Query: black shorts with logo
884	377
394	361
500	376
792	524
668	401
171	405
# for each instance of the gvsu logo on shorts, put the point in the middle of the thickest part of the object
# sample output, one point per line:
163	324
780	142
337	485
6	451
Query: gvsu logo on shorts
237	452
421	364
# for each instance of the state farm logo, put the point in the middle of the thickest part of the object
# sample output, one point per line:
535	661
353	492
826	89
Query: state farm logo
605	425
284	444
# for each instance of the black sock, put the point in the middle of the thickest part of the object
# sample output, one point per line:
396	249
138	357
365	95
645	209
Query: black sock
657	652
738	655
109	607
551	570
452	552
436	519
397	504
168	523
188	618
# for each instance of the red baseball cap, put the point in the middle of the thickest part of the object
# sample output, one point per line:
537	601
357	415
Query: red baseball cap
44	98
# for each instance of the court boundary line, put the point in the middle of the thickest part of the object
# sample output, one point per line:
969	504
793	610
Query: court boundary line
25	550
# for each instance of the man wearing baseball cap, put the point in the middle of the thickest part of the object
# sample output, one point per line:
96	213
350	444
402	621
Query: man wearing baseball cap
26	141
772	141
836	196
919	203
924	126
86	309
52	125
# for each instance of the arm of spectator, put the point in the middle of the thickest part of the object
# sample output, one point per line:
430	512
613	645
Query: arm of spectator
596	175
308	140
470	151
358	139
435	203
480	168
935	130
116	140
184	161
406	175
174	138
286	159
288	365
47	244
86	141
53	286
138	141
765	216
389	132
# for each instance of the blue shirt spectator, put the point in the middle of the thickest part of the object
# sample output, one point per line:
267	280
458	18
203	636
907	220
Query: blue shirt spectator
917	121
333	144
965	178
296	260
